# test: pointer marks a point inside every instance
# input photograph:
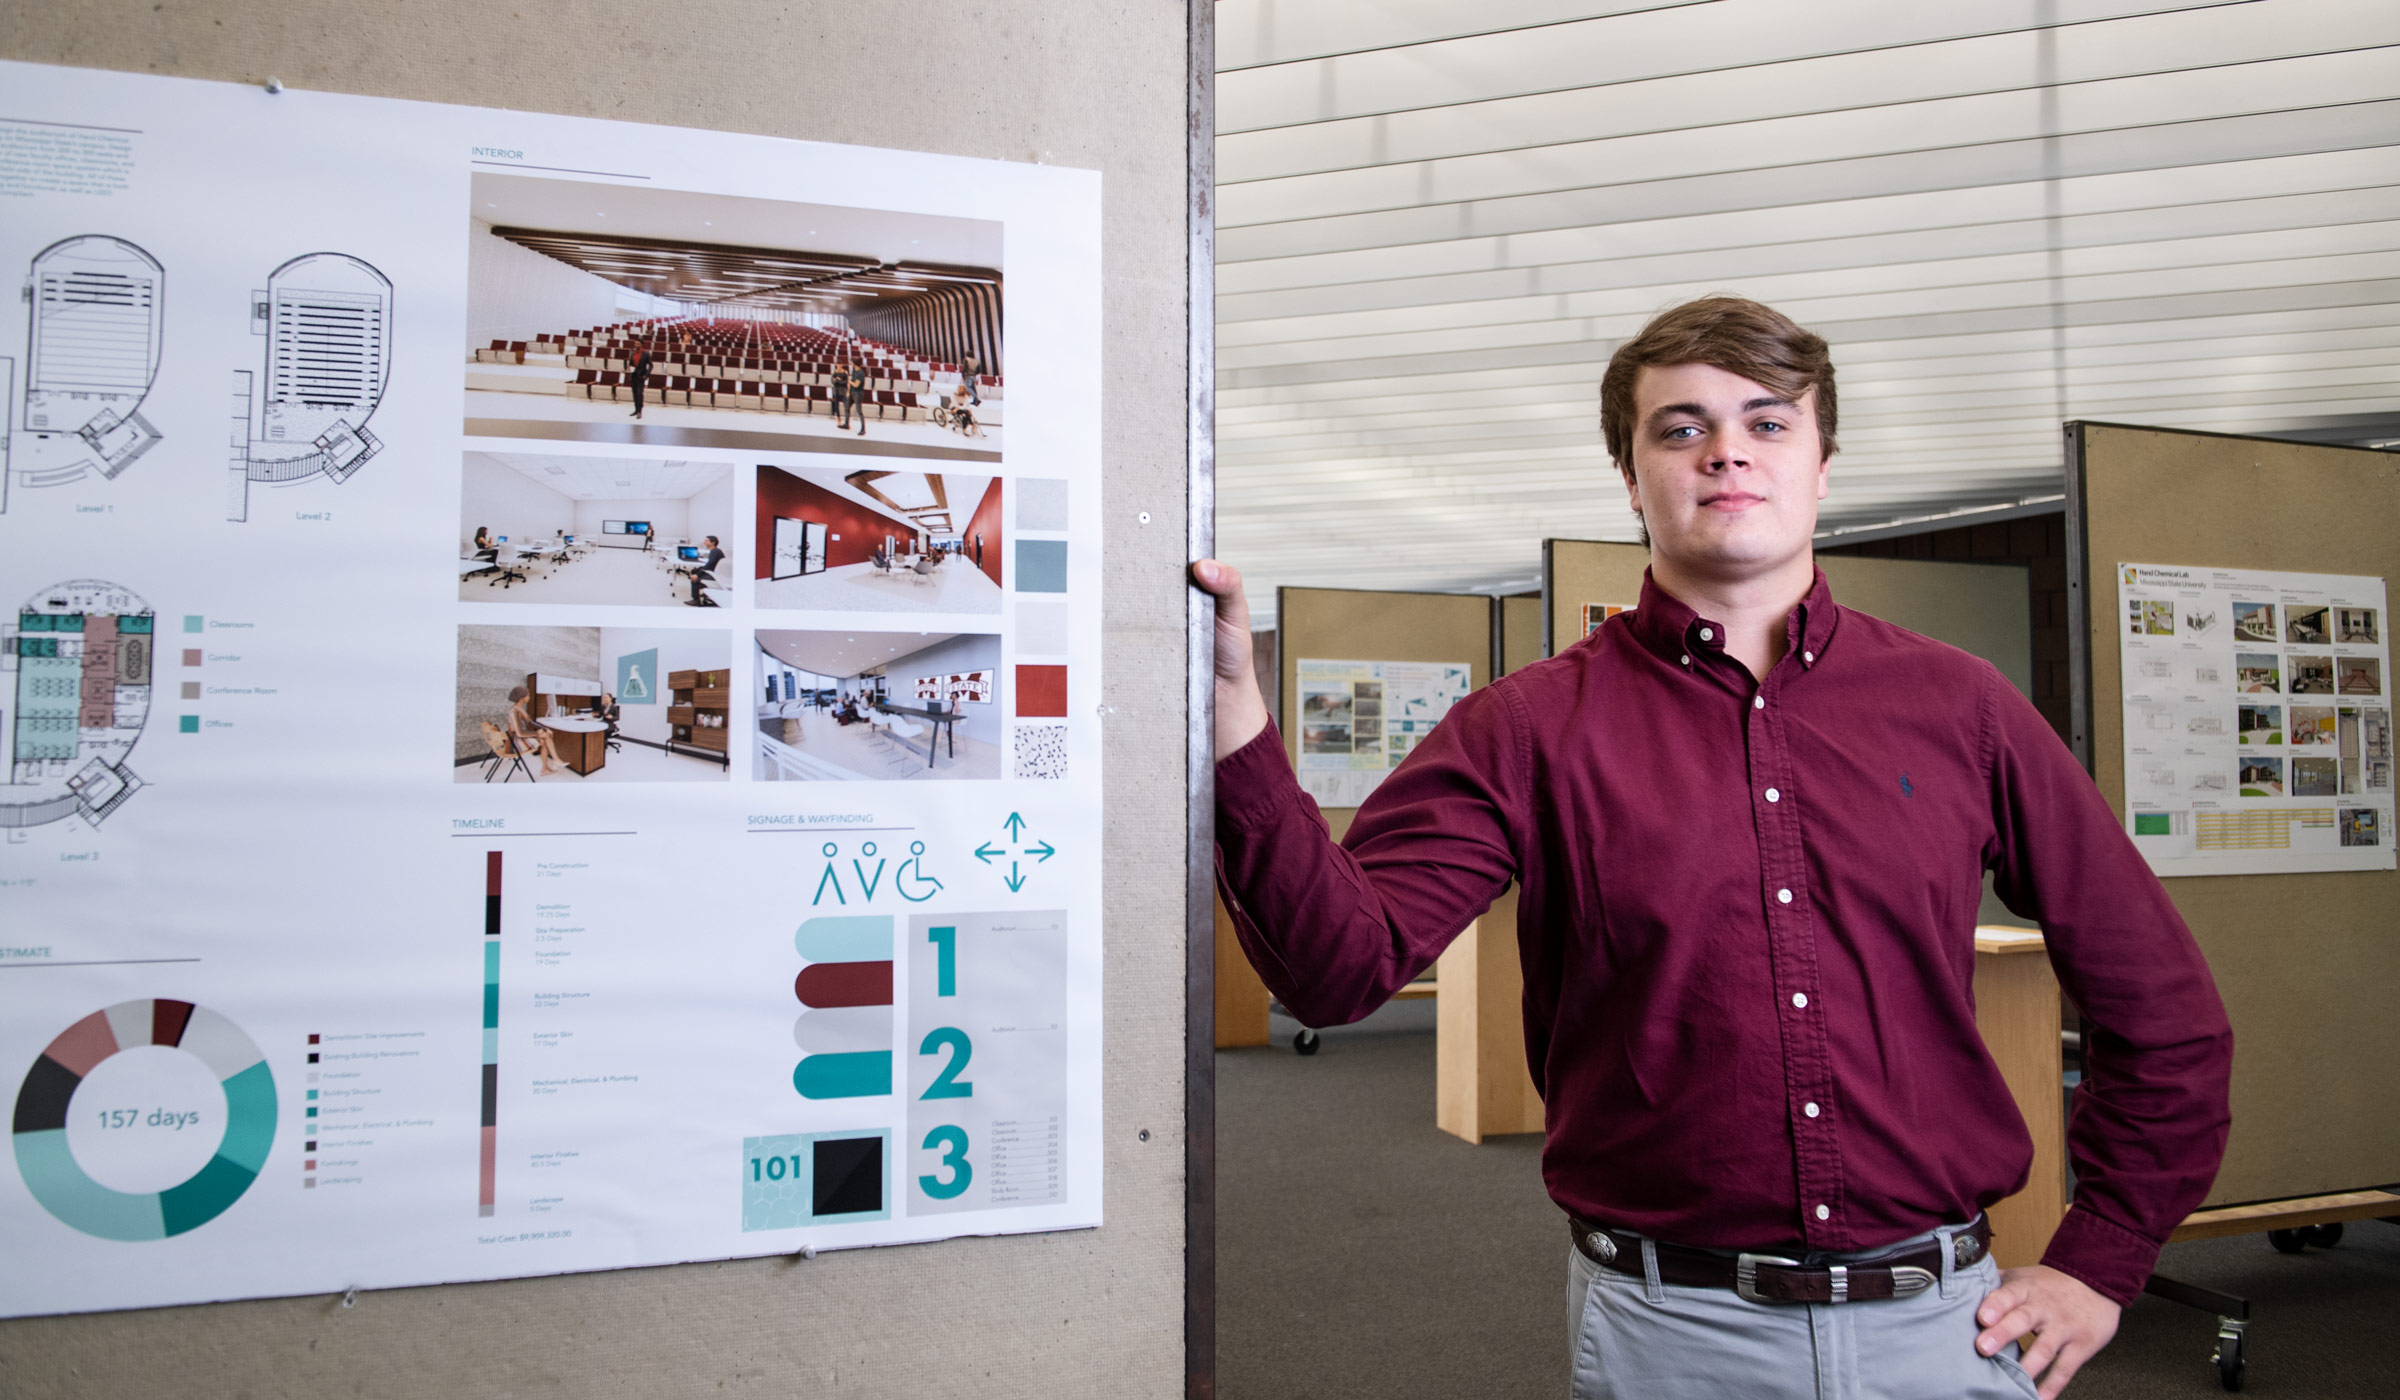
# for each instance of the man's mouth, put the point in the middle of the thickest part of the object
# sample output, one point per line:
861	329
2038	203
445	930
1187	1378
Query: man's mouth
1730	500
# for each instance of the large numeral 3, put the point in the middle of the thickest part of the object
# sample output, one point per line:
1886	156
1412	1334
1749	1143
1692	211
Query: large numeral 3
951	1142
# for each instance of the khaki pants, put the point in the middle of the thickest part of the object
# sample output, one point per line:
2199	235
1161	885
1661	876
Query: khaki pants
1638	1337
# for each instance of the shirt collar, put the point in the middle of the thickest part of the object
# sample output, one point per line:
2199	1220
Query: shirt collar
1670	628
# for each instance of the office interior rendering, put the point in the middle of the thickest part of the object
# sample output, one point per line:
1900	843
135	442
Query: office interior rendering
579	705
873	540
719	318
849	706
540	529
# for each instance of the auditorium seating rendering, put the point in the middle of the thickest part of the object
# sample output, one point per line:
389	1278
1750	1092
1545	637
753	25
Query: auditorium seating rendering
879	331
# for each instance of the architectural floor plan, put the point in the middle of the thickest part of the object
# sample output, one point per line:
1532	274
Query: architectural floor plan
78	659
327	322
95	308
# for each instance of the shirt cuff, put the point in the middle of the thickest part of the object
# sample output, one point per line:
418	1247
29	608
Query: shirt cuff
2112	1260
1255	780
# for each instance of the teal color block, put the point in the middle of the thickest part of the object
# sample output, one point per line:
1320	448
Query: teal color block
250	1117
1041	566
491	1046
187	724
191	622
59	1184
491	1004
491	960
204	1197
769	1203
312	1113
855	938
135	626
859	1075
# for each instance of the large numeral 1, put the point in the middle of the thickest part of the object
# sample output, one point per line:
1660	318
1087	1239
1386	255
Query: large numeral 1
952	1143
945	960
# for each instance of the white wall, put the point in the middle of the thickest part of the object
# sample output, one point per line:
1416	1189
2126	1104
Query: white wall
974	652
679	649
516	293
510	503
669	521
712	513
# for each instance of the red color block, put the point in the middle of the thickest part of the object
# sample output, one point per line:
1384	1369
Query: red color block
844	984
1041	691
167	1020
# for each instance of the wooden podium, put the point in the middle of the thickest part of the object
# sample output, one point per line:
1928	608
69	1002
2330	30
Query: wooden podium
2017	1010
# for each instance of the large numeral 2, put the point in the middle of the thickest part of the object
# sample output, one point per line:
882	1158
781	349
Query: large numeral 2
947	1084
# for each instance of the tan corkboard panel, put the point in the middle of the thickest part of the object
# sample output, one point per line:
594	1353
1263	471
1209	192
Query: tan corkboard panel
1520	633
2307	964
1086	1313
1342	624
1978	608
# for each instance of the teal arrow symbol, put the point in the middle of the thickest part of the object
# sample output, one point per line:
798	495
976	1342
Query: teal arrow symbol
986	851
1016	882
1044	850
1015	825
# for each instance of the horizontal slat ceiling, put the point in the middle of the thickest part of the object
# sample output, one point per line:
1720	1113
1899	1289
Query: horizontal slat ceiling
1436	220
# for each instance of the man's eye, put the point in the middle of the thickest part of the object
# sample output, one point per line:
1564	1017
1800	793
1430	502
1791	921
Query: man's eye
1769	426
1681	432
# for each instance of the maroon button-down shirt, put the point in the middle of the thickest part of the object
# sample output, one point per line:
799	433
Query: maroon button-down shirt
1747	918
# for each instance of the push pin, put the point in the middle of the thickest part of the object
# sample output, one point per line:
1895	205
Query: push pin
350	1298
275	87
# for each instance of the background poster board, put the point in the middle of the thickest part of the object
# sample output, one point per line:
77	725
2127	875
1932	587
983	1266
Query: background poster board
1426	634
2257	720
1359	719
2303	961
261	1109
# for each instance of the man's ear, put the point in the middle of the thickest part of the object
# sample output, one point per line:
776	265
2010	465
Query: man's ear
1633	487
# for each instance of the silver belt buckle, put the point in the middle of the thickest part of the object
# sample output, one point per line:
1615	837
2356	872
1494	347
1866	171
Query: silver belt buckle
1745	1274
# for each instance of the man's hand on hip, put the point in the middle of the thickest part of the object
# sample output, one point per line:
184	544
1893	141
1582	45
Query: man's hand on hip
2068	1322
1241	710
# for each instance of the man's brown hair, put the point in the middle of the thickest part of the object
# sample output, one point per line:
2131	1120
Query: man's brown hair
1734	334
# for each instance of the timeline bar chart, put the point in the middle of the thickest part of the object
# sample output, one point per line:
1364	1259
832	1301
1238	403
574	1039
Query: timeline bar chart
491	1032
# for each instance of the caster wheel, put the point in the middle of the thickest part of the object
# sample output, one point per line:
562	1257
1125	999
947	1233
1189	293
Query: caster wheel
2287	1241
1306	1042
2324	1236
2230	1362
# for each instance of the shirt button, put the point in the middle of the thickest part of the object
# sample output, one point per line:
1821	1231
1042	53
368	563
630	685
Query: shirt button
1824	1212
1687	660
1758	702
1773	795
1809	656
1800	999
1783	896
1707	635
1809	1109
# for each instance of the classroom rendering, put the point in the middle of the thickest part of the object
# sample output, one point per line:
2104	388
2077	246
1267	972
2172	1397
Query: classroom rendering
535	528
872	540
847	706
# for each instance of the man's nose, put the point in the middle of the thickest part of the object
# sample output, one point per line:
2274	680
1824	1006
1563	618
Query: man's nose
1724	453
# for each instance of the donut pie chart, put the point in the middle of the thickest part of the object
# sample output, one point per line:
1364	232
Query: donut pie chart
68	1192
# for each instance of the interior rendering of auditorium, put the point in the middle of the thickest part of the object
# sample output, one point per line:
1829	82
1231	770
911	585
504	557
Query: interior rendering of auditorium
719	321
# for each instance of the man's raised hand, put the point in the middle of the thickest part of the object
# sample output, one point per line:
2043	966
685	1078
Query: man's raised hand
1241	710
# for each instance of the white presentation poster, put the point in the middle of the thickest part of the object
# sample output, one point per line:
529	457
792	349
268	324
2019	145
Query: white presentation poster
550	678
2258	720
1358	719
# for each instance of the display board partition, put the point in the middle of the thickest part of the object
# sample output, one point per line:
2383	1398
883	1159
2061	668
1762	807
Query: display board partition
2304	961
1978	608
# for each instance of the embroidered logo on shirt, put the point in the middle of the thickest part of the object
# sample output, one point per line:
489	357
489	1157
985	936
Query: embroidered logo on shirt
1907	788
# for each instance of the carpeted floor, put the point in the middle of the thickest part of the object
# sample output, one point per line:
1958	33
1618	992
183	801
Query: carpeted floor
1363	1253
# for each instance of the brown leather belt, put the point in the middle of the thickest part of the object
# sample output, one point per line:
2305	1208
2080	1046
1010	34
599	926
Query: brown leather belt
1771	1278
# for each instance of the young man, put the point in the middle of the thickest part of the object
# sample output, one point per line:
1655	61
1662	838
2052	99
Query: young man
1750	829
